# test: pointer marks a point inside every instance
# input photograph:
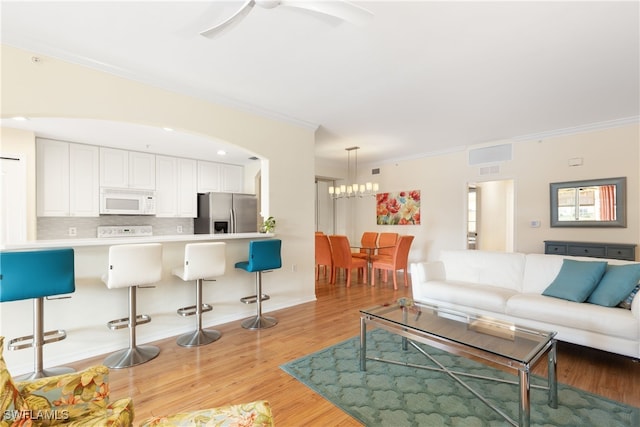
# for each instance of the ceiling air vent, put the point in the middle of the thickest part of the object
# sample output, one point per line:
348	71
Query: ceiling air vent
493	154
490	170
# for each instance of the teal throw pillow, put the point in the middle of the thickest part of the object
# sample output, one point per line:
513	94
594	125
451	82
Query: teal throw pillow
616	284
576	280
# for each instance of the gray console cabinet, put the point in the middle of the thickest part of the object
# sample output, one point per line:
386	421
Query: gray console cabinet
591	249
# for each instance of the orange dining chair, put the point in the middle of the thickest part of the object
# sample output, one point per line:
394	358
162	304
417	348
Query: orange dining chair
343	258
387	243
398	261
324	257
368	239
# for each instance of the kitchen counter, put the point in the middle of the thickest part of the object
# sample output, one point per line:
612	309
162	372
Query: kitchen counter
76	243
85	315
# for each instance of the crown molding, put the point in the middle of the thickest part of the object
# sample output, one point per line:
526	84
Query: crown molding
591	127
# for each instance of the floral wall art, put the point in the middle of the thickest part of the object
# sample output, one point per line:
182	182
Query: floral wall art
400	208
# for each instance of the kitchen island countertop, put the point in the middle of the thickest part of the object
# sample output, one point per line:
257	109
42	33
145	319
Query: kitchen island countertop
73	243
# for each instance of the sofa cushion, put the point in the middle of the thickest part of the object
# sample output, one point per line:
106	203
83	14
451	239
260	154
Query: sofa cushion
541	269
616	284
484	297
576	280
11	397
78	399
626	303
616	322
252	414
484	267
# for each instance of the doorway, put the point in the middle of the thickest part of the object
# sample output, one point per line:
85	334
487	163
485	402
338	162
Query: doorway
13	203
490	216
325	207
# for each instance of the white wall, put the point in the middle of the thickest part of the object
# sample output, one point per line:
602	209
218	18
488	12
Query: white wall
53	88
443	180
20	142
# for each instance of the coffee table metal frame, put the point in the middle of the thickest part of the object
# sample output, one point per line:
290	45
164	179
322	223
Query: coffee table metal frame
410	333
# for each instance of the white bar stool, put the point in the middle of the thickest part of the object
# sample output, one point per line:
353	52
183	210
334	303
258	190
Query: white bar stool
202	261
132	266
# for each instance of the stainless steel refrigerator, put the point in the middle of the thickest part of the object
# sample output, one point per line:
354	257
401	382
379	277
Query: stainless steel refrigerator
226	213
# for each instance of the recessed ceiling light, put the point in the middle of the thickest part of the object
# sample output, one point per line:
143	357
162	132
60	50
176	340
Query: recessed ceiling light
20	118
222	153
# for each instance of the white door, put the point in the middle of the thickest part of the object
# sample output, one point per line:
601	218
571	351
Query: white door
13	211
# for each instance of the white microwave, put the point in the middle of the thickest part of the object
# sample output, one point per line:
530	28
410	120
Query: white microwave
123	201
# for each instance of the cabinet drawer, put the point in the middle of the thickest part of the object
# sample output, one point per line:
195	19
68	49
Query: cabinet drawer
556	249
621	253
595	251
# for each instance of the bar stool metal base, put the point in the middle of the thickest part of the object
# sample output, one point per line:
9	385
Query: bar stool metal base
51	372
131	356
198	338
259	322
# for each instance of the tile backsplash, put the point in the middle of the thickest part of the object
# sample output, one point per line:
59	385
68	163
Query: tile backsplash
87	228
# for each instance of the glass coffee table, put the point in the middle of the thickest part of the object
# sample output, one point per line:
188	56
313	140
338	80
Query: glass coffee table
471	336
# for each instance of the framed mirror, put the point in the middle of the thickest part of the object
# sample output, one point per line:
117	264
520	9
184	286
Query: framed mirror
589	203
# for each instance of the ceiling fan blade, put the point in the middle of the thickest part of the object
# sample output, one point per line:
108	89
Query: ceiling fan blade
233	19
341	9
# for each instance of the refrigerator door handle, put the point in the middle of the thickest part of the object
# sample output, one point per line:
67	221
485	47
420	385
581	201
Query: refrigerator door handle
233	221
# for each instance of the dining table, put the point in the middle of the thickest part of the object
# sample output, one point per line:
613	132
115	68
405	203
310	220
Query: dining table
370	250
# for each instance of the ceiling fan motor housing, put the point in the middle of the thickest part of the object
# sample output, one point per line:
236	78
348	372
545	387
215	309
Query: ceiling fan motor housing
267	4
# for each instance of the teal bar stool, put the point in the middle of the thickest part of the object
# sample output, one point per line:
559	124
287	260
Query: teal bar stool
202	261
133	266
264	256
37	275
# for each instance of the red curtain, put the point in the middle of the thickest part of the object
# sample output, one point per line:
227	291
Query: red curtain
607	202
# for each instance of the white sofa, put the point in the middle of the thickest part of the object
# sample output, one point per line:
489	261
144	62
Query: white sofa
509	286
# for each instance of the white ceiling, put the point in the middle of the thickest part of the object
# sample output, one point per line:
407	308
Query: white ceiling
418	78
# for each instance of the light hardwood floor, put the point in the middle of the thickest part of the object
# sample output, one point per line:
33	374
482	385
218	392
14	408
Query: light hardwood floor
245	365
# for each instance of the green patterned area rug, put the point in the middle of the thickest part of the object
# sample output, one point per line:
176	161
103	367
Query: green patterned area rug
394	396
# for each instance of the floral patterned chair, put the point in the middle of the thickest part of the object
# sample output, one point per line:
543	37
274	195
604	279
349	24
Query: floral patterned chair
76	399
253	414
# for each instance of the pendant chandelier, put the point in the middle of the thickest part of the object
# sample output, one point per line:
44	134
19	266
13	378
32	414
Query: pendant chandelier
353	188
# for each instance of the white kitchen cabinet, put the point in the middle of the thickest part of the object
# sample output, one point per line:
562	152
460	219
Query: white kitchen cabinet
142	171
232	178
127	169
176	187
208	177
66	179
220	177
114	168
187	188
84	180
